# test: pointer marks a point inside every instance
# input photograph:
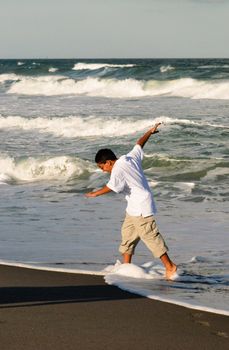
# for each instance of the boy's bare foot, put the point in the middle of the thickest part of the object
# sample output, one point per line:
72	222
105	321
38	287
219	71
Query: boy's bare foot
170	272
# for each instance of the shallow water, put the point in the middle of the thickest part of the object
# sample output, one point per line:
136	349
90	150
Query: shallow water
55	114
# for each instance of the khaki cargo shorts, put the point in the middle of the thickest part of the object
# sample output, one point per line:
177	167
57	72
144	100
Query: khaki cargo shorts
135	228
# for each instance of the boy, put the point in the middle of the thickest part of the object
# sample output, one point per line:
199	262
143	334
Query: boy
127	177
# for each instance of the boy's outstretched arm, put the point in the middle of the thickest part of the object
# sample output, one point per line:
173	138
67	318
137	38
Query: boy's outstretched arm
147	135
99	192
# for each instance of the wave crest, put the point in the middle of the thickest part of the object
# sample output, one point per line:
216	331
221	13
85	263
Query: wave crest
76	126
94	66
127	88
164	69
32	169
53	70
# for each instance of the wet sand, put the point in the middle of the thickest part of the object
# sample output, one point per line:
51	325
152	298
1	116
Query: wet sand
42	310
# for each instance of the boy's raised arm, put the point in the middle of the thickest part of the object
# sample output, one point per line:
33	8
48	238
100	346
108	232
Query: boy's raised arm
147	135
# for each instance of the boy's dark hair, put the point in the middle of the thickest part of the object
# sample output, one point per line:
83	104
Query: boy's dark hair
103	155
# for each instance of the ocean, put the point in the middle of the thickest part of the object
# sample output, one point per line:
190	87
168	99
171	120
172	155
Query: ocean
55	115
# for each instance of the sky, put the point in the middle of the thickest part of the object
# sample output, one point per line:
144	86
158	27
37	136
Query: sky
114	28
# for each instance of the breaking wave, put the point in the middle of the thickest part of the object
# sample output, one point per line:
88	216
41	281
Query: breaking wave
214	66
32	169
9	77
53	70
76	126
94	66
164	69
126	88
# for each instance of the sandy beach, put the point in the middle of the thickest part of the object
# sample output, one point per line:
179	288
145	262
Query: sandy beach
52	310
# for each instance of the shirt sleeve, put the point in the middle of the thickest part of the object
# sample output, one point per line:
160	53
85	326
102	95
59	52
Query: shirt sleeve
136	153
116	182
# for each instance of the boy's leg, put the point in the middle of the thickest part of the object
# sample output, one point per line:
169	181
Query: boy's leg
170	267
151	236
127	258
130	239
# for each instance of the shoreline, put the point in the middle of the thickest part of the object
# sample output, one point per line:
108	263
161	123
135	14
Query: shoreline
47	310
141	293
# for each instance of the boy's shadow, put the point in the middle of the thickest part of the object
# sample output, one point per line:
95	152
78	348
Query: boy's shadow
11	297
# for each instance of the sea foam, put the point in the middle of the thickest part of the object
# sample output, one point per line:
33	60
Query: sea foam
94	66
9	77
148	280
128	270
53	70
30	169
164	69
126	88
76	126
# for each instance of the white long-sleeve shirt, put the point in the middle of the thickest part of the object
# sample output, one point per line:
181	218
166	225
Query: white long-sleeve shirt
127	177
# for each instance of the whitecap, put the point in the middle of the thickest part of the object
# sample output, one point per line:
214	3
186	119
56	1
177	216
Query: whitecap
53	70
200	259
31	169
4	179
76	126
9	77
127	88
209	66
164	69
94	66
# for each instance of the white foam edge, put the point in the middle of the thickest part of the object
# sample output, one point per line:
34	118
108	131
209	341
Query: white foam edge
145	293
51	269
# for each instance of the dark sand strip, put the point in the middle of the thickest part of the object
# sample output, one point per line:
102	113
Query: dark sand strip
41	310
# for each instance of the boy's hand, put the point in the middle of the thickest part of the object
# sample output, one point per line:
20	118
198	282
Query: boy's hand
90	194
103	190
147	135
154	129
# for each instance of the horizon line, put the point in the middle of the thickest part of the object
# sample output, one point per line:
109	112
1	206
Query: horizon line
114	58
